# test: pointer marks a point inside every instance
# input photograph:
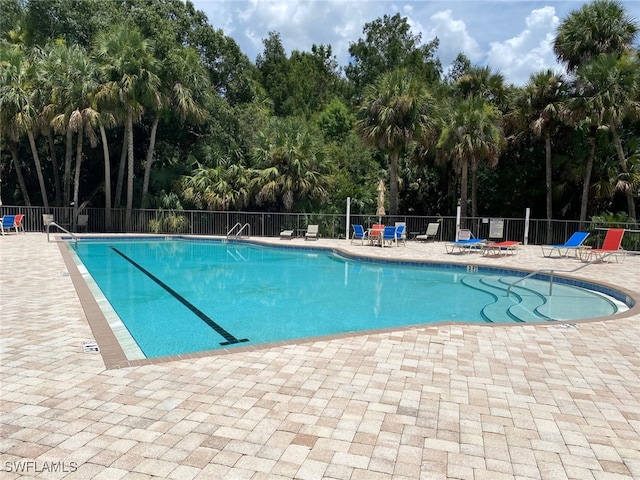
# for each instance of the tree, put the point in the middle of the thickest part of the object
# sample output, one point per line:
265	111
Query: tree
18	97
608	88
291	166
389	45
129	67
471	133
395	111
183	77
601	26
540	108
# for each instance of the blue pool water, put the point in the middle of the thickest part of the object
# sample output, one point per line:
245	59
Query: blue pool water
186	296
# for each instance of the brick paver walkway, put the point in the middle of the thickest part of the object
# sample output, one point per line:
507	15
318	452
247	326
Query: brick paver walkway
439	402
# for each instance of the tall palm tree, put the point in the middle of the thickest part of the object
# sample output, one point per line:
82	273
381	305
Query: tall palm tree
128	64
185	83
471	133
395	112
602	26
73	93
541	109
18	102
608	93
223	187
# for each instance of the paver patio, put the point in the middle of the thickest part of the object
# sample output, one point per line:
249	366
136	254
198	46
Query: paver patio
433	402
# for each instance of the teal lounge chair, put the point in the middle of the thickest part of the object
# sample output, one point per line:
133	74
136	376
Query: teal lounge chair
572	245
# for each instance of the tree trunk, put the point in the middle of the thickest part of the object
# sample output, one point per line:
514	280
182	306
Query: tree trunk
549	186
66	180
474	188
130	170
36	159
625	169
76	179
16	163
107	179
149	161
464	180
587	177
121	167
393	183
54	165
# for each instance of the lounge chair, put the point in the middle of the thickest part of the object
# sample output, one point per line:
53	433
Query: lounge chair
286	235
18	223
389	236
500	248
610	245
466	243
358	234
572	245
432	231
312	232
83	222
8	222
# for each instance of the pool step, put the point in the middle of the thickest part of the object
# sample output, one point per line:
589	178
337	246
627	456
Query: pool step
520	306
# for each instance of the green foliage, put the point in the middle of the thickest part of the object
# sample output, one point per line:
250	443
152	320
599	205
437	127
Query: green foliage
168	219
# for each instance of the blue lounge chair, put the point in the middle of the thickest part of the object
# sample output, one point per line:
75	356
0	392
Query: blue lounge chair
572	245
8	222
358	234
466	243
389	235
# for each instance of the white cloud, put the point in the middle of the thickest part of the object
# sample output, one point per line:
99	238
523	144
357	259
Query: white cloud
454	38
529	51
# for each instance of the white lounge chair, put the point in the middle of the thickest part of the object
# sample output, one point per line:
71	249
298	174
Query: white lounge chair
312	232
432	231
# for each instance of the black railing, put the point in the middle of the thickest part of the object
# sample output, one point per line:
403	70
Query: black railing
270	224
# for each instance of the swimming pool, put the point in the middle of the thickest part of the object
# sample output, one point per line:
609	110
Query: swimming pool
181	295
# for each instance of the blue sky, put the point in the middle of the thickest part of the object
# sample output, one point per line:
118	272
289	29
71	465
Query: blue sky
513	37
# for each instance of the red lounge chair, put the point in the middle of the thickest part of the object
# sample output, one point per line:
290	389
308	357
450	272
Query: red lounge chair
18	223
611	244
500	248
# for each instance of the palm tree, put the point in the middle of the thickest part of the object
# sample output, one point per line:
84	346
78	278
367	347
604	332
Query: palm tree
291	165
541	109
601	26
223	187
18	97
608	88
395	112
128	65
471	133
185	84
73	91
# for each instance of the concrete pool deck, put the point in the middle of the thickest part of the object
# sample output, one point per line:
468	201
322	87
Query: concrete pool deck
433	402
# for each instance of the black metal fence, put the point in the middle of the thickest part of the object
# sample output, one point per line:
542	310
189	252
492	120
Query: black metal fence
269	224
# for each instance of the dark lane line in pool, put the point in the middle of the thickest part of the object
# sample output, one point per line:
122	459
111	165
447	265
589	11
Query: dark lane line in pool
230	339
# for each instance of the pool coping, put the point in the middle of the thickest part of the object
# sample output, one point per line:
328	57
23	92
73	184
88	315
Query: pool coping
114	356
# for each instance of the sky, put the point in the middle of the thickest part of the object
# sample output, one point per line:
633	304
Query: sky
513	37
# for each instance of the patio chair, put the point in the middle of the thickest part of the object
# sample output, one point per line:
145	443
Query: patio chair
389	236
286	235
610	245
375	233
401	235
432	231
8	222
358	234
18	223
572	245
312	232
83	222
